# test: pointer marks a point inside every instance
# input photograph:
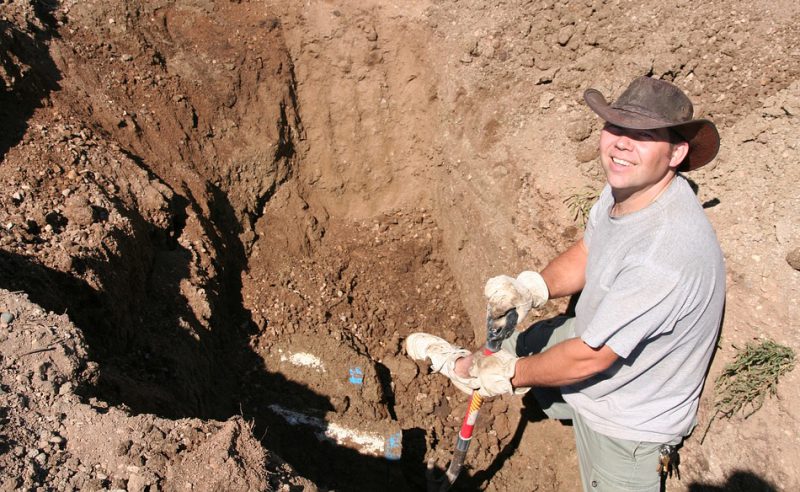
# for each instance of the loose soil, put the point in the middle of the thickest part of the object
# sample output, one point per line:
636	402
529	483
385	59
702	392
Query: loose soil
220	220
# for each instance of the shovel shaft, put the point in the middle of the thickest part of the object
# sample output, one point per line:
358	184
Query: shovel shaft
464	435
468	424
496	333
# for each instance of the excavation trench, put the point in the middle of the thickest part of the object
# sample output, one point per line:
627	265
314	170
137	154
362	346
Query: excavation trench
235	238
222	263
298	331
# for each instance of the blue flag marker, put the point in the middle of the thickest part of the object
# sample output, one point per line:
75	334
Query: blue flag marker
356	375
392	447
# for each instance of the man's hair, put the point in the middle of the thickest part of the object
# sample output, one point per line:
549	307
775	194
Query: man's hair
675	137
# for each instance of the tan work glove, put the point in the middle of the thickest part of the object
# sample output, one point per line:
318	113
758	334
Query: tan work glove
494	373
504	293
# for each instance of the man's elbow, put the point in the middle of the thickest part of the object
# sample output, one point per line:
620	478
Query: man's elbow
600	359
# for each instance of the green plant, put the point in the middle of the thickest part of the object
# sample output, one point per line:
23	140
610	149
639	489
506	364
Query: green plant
749	378
580	203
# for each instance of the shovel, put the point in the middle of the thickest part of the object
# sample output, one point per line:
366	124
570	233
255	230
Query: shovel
494	338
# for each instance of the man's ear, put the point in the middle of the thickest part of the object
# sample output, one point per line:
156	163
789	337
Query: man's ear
679	152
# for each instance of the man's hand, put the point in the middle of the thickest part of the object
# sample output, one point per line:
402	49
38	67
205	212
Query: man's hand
504	293
494	373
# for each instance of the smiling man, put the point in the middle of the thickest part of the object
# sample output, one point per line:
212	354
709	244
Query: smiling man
628	369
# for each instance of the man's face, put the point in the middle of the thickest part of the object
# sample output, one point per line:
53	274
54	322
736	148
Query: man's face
635	160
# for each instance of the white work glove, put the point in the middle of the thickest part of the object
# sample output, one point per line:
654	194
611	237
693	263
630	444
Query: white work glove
494	373
504	293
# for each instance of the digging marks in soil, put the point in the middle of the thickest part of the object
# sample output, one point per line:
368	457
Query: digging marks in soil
333	320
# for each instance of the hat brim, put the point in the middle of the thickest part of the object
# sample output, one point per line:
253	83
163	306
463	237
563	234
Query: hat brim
701	134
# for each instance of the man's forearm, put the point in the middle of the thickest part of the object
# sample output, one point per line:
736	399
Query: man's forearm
566	274
568	362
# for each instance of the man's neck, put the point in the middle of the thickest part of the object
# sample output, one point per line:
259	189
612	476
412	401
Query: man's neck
628	203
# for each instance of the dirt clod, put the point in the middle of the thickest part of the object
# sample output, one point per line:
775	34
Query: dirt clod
793	258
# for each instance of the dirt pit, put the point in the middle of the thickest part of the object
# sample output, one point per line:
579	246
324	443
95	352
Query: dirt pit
222	219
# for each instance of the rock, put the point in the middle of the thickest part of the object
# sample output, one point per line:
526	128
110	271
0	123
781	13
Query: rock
123	447
57	440
117	484
6	318
579	130
501	426
793	258
587	151
402	368
79	211
565	34
44	437
427	406
546	99
544	76
92	484
65	389
137	483
471	47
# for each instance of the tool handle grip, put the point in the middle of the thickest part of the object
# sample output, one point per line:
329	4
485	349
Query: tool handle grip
495	337
471	416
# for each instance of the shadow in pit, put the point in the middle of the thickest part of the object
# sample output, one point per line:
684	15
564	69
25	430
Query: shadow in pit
29	74
739	481
155	355
132	374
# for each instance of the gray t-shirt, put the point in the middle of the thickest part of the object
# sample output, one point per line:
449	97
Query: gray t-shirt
654	294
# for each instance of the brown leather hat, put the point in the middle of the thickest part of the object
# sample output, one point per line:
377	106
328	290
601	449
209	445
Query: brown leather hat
652	103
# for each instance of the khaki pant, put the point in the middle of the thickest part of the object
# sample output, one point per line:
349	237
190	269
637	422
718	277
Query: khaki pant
607	464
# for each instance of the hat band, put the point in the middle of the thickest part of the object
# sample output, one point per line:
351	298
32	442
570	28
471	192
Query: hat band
642	111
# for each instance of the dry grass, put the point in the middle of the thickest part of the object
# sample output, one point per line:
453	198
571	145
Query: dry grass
580	203
750	378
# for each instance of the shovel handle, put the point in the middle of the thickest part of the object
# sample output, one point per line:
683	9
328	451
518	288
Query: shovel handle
495	336
464	436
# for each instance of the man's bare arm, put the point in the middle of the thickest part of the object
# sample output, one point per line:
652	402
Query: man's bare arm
566	273
566	363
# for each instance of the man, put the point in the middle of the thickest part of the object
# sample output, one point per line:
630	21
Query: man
628	369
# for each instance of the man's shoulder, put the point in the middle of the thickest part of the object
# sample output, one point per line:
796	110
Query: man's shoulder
687	236
685	215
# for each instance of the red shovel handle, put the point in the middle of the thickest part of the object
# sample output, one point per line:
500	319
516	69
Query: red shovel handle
495	337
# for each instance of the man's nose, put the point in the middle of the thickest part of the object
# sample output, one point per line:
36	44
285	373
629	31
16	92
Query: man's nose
623	143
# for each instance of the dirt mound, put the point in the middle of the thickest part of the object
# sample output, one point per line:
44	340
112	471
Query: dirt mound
221	220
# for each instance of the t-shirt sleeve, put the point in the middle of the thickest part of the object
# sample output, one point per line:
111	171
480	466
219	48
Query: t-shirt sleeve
641	303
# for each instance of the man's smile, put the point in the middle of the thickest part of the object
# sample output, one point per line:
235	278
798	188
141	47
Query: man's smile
621	162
